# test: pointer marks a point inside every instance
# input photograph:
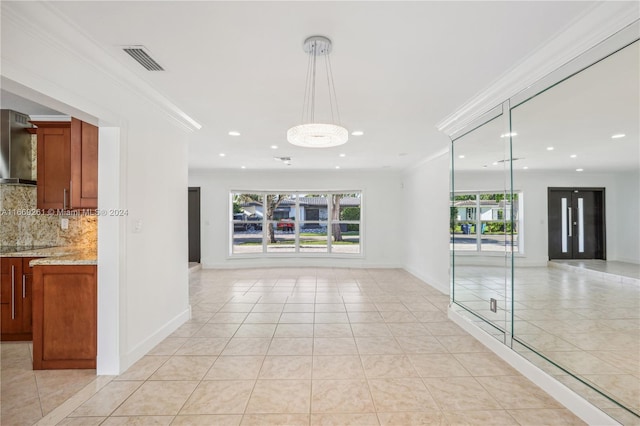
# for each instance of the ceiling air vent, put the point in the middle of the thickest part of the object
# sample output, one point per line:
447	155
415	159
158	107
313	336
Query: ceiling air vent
139	53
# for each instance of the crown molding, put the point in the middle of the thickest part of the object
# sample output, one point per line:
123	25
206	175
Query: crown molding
591	28
55	30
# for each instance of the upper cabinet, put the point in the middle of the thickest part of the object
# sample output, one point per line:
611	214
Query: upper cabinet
67	165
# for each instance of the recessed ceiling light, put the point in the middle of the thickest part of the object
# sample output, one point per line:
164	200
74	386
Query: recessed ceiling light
506	135
618	136
343	155
573	156
579	170
549	148
337	167
242	167
525	167
274	146
222	154
234	133
460	156
357	133
495	163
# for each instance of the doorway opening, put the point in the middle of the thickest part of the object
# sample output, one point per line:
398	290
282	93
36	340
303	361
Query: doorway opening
576	218
194	224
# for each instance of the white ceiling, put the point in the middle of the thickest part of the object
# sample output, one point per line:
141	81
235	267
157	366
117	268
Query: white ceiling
399	68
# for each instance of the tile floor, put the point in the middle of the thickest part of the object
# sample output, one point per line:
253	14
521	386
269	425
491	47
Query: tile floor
317	346
588	324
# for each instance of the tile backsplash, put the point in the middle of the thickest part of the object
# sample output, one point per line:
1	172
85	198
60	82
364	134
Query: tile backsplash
28	230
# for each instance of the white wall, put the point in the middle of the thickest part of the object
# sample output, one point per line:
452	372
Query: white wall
621	203
381	220
426	219
46	60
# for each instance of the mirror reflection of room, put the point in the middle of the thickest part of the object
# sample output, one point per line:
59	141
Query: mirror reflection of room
571	228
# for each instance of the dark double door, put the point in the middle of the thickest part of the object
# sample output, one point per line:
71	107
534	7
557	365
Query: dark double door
193	214
576	223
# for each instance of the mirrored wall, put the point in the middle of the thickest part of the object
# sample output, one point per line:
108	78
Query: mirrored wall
545	225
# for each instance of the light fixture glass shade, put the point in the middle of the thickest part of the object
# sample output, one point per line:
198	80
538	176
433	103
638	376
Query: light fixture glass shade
317	135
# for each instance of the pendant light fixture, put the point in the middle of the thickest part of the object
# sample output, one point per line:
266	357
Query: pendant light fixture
312	134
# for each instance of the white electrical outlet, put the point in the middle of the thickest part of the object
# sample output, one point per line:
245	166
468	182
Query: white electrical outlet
64	223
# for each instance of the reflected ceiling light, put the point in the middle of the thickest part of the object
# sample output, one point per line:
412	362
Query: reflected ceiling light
242	167
311	134
526	167
495	163
234	133
357	133
579	170
460	156
222	154
343	155
337	167
274	146
573	156
549	148
506	135
618	136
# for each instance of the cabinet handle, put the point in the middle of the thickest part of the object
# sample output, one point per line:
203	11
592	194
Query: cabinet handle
70	194
13	292
64	199
24	286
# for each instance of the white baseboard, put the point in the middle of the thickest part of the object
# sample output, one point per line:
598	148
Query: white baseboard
128	359
579	406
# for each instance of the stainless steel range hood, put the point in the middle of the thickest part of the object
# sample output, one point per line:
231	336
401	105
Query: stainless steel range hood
16	151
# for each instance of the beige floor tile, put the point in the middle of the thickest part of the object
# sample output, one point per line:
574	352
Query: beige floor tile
485	364
56	386
107	399
143	368
331	318
433	417
256	330
361	307
280	396
139	421
387	366
342	419
446	328
184	368
299	307
247	346
207	420
430	316
458	344
479	417
625	387
334	346
168	346
291	346
296	317
203	346
330	307
460	393
365	317
157	398
391	395
187	330
540	417
391	307
217	330
373	329
294	330
262	318
237	307
378	345
275	420
286	367
23	411
437	365
201	316
337	367
219	397
408	329
268	307
582	362
420	345
398	317
516	392
341	396
81	421
235	368
332	330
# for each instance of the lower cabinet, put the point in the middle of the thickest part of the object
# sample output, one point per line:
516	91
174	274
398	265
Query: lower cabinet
16	280
64	316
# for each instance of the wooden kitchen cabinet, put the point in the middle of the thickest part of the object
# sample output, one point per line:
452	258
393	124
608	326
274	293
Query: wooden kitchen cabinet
16	307
67	165
64	316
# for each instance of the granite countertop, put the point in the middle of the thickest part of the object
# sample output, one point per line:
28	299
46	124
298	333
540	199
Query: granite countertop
57	255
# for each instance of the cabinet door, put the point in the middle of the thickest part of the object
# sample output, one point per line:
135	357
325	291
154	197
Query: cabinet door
84	165
27	295
64	316
11	306
54	165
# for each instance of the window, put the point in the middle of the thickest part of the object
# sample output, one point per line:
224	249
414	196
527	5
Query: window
485	221
295	223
